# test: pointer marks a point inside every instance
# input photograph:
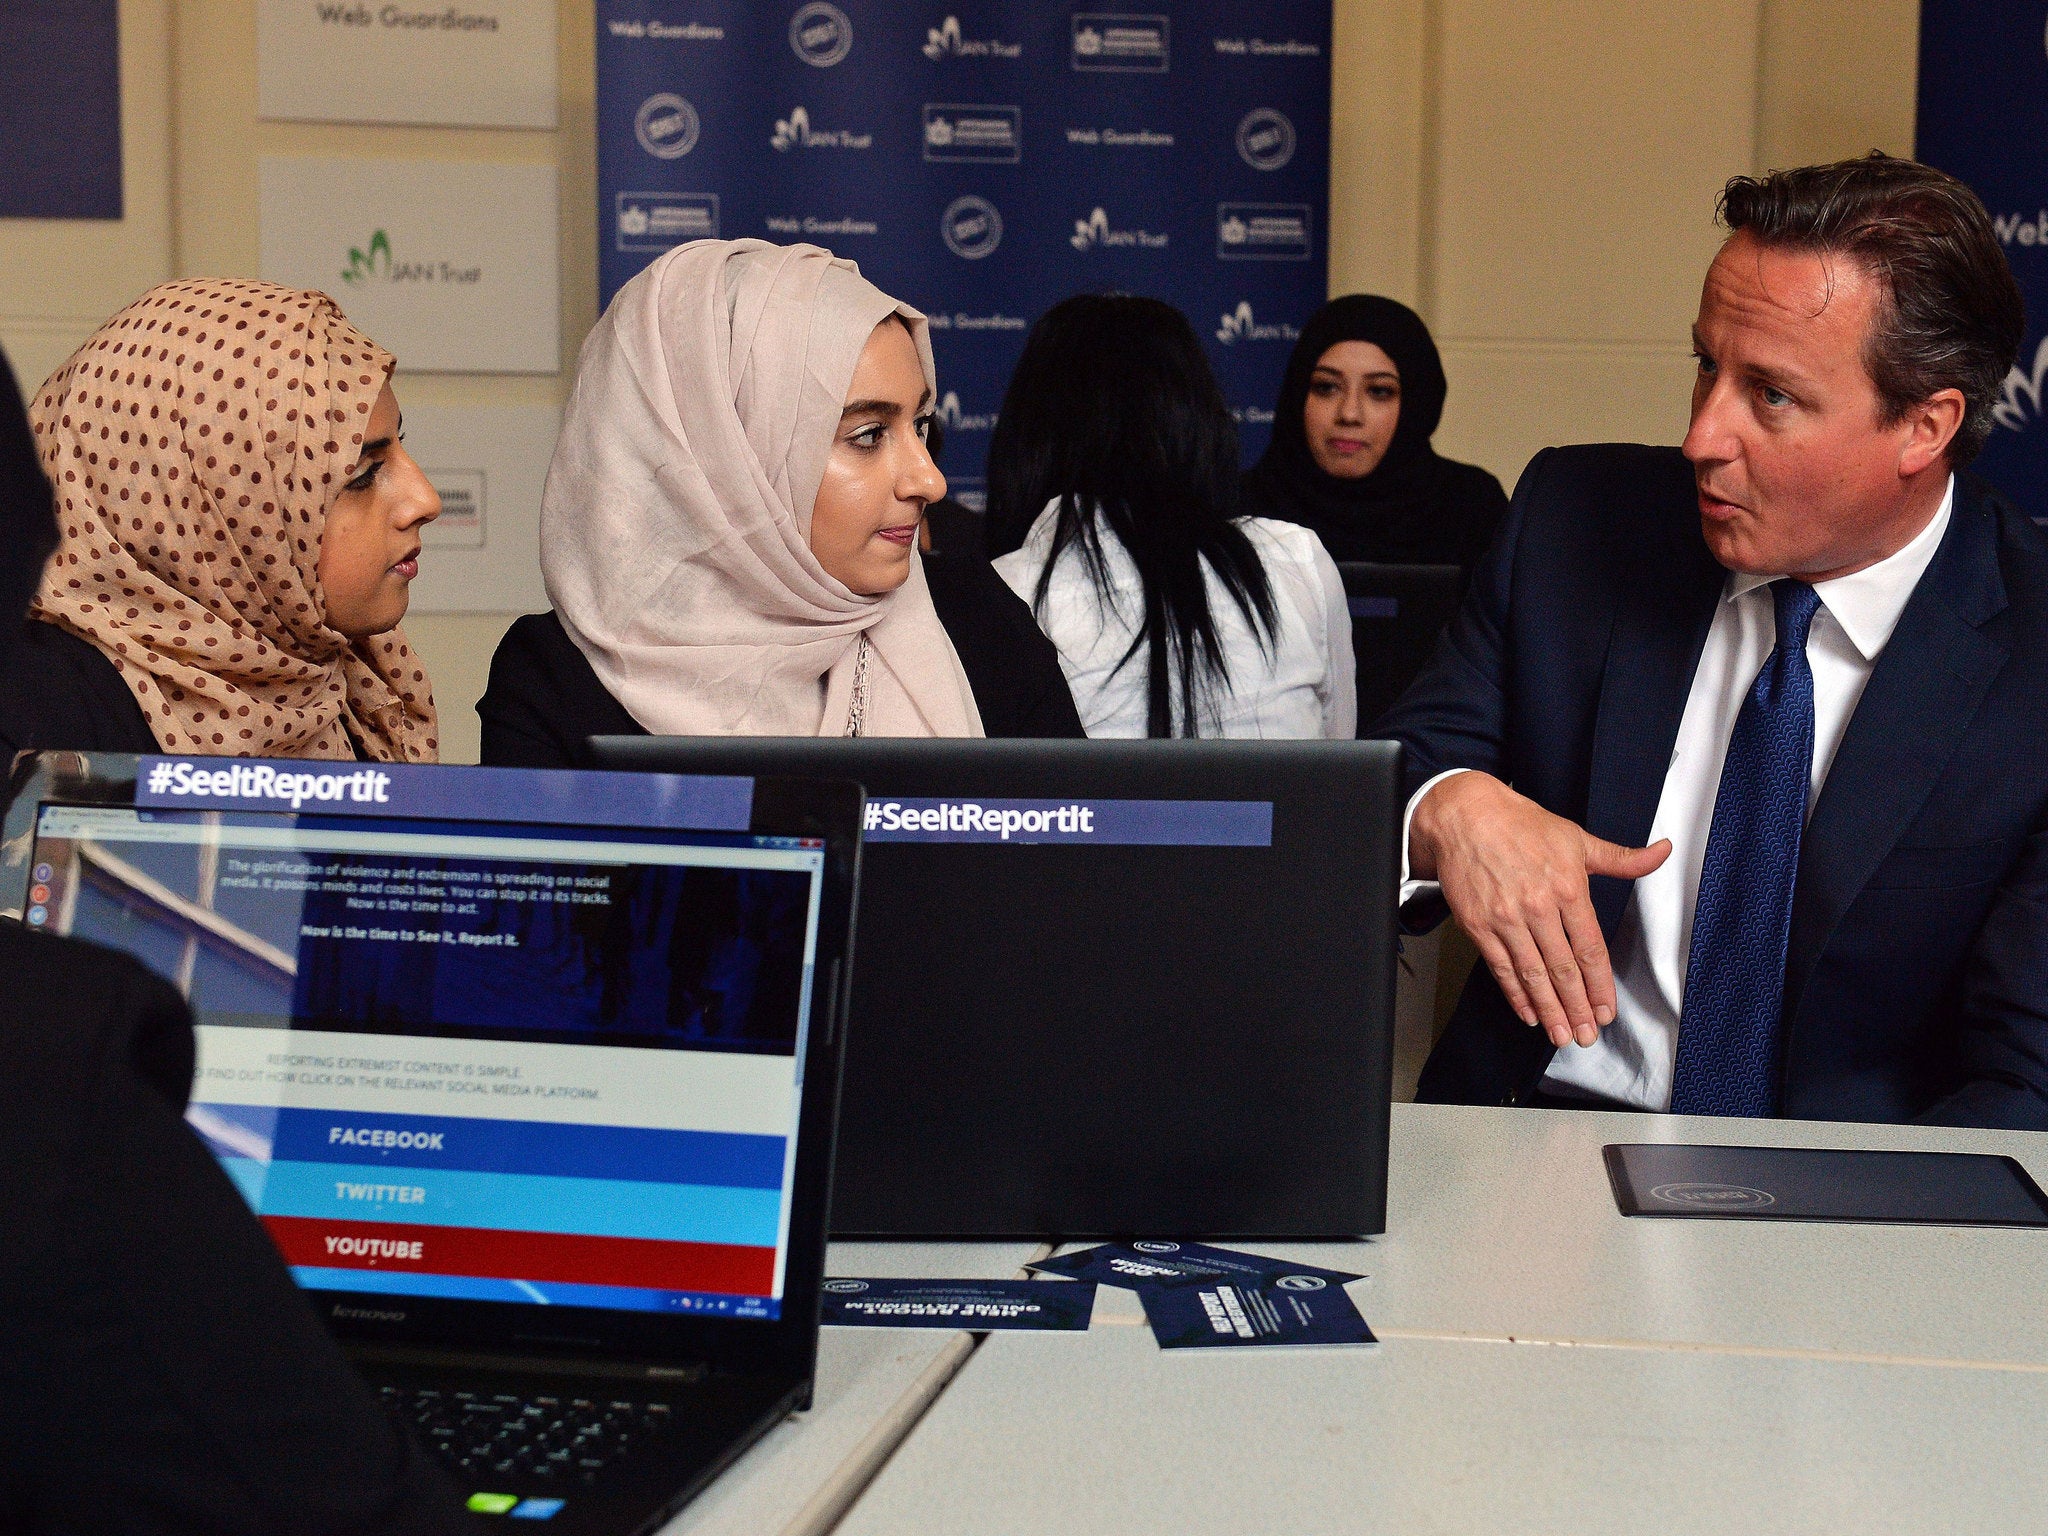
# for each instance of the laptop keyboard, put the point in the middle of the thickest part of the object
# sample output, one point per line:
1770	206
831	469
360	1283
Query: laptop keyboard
570	1440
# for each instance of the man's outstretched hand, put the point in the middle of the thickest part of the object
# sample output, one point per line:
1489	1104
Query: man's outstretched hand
1515	878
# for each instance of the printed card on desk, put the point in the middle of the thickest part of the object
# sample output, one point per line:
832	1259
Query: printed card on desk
975	1305
1158	1262
1215	1316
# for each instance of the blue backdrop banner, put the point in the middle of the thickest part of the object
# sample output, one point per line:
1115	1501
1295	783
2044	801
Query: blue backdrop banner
984	162
1984	119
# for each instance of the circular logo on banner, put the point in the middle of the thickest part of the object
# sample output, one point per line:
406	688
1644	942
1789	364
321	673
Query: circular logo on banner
1156	1247
845	1287
666	126
820	34
971	227
1266	139
1714	1197
1301	1282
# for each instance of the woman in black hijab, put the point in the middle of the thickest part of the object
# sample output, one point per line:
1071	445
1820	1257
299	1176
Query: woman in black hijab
1350	454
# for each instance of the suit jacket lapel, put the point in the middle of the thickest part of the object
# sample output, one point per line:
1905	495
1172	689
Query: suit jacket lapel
1921	696
1653	651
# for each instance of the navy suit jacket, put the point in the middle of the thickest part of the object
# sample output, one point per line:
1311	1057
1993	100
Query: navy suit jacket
1916	985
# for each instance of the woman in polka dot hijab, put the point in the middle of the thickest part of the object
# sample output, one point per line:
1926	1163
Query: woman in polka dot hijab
208	446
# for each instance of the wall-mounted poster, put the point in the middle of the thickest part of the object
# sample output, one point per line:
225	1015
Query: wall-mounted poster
451	265
474	64
489	463
60	111
983	162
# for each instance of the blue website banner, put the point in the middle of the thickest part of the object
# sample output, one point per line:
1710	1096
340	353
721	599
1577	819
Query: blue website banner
478	1145
60	112
1983	118
545	796
512	1202
1096	823
983	161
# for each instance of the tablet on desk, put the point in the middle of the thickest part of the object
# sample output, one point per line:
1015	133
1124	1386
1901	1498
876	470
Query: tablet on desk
1946	1189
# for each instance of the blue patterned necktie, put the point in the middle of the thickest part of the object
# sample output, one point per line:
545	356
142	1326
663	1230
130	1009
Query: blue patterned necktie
1735	976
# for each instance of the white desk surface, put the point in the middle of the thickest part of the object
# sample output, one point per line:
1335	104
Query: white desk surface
1452	1436
1549	1365
1501	1224
872	1385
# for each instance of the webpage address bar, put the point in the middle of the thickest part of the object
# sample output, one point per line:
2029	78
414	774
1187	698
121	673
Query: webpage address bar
101	824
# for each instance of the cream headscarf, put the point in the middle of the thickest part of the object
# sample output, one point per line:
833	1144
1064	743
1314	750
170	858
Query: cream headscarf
195	443
675	527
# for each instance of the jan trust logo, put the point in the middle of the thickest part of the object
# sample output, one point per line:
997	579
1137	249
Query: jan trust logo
374	263
954	419
1095	232
945	41
796	132
1241	325
2019	397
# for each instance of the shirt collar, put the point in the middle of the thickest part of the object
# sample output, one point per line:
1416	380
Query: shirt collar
1868	603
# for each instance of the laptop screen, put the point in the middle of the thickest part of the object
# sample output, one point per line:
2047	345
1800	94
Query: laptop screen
518	1062
1201	932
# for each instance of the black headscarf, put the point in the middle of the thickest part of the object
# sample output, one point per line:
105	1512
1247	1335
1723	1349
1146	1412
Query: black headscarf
28	519
1415	507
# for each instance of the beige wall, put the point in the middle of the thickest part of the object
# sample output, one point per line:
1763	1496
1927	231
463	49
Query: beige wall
1537	178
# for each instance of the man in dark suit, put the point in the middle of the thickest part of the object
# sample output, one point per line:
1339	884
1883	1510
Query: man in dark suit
1734	764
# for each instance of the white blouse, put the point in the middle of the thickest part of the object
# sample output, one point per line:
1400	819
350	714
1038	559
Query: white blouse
1302	685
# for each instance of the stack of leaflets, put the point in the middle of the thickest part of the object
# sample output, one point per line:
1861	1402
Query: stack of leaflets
1198	1297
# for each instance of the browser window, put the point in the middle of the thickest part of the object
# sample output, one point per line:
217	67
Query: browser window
550	1064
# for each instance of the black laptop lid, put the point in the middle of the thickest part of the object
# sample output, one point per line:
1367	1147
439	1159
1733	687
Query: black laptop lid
522	1060
1397	614
1109	987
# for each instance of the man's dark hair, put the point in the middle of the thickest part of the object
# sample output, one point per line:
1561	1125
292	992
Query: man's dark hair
1951	318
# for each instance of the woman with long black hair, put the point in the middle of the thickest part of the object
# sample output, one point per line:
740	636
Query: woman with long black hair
1113	503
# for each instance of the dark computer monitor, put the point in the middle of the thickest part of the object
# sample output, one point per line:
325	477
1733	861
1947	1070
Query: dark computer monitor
1102	988
1397	613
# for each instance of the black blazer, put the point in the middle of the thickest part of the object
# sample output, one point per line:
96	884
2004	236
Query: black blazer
544	699
159	1372
59	693
1916	985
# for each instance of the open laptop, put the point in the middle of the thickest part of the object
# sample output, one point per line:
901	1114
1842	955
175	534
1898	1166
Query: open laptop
1109	987
1397	614
530	1075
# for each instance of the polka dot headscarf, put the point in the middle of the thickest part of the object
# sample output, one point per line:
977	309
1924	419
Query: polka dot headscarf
195	444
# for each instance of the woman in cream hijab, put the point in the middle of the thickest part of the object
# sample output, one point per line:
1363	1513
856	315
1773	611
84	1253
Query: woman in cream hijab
729	529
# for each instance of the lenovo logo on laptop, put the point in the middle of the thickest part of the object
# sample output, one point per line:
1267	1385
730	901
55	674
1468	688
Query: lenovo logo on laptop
366	1315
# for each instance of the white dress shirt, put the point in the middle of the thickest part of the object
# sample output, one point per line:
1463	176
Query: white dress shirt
1302	684
1632	1060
